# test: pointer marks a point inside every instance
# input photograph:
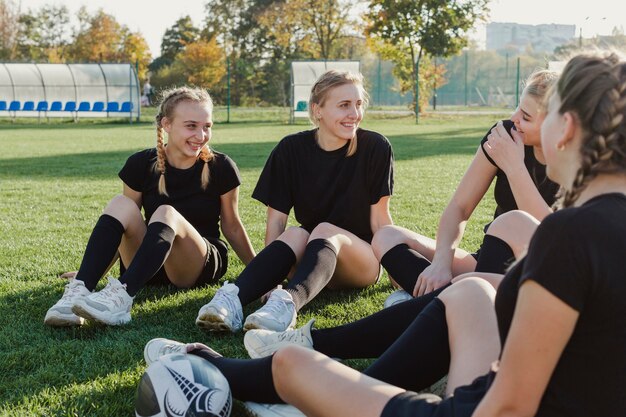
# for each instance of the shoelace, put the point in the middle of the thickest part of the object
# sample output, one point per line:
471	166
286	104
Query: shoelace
111	293
70	291
223	299
169	348
294	336
275	305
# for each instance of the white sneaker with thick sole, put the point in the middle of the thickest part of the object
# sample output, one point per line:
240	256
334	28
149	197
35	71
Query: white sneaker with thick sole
262	343
397	297
278	313
60	314
111	305
158	347
223	312
273	410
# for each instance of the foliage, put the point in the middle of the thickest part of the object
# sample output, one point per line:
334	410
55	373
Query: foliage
203	62
409	30
44	34
9	29
180	34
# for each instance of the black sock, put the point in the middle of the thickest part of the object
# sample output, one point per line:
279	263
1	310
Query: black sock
101	249
372	335
314	272
421	356
495	255
149	258
404	265
249	379
268	269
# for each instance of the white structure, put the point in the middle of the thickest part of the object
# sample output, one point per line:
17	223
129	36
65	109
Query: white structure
59	90
303	76
541	38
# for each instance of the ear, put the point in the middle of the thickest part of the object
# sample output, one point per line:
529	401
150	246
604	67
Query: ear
570	129
166	124
315	108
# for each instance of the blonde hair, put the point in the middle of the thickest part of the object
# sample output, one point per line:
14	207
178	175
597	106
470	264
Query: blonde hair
538	85
593	88
170	99
328	81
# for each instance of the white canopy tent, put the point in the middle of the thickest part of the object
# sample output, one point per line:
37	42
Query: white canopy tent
303	76
94	90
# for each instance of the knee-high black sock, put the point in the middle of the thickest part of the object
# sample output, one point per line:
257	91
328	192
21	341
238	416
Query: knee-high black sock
371	336
404	265
149	258
314	272
421	356
268	269
101	249
249	379
495	255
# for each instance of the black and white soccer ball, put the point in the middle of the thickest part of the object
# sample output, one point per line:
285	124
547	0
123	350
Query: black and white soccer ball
179	385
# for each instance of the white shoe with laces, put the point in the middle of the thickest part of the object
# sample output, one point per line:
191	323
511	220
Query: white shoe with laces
273	410
223	312
61	313
158	347
397	297
262	343
278	313
111	305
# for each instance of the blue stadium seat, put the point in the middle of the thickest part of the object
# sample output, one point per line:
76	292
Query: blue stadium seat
301	106
42	106
70	106
98	106
113	107
3	105
29	106
56	106
14	106
84	106
127	107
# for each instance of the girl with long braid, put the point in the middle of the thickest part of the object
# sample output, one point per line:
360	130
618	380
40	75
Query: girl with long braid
187	191
560	310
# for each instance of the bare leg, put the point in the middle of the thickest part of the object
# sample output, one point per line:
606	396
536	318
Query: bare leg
320	386
515	228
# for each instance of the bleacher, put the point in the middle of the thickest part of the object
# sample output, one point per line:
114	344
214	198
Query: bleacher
15	108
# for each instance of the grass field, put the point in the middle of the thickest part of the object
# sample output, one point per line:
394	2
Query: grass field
56	178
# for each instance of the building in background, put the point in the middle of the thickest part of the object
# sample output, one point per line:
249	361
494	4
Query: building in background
522	38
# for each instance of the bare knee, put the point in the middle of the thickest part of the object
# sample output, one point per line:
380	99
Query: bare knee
464	293
386	238
286	364
166	214
515	228
296	238
325	230
123	209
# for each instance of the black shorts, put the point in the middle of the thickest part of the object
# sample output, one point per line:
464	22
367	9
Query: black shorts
215	265
461	404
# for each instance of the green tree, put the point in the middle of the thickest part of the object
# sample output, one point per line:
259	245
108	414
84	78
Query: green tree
9	28
180	34
406	31
44	34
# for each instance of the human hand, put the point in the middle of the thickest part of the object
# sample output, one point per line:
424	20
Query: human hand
68	275
507	151
431	278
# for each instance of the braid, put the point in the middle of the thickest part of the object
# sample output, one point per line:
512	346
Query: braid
207	156
604	119
161	156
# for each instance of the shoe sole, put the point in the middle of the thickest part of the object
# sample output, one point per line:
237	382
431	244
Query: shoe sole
213	324
251	325
59	320
111	320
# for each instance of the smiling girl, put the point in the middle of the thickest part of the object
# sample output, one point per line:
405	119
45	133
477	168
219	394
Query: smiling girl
186	191
338	178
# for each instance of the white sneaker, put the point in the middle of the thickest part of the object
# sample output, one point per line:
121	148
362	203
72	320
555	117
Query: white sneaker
61	313
278	313
261	343
223	312
273	410
397	297
158	347
111	305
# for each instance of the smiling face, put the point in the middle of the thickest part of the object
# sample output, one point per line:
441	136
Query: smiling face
528	118
340	112
188	130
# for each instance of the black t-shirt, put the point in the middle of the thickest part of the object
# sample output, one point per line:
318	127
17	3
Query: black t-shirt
502	192
577	254
200	207
327	186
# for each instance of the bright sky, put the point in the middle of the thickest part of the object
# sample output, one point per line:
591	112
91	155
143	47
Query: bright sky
153	17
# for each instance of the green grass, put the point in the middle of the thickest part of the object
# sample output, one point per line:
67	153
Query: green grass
56	178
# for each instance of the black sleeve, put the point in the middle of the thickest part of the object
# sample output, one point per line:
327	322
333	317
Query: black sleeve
226	174
134	170
272	188
557	260
381	173
508	125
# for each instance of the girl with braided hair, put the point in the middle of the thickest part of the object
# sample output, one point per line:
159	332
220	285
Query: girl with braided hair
560	310
187	191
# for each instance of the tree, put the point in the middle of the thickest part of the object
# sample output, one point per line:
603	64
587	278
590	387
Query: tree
407	30
9	27
202	62
44	34
180	34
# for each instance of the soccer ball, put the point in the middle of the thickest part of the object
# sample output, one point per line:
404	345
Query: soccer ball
179	385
